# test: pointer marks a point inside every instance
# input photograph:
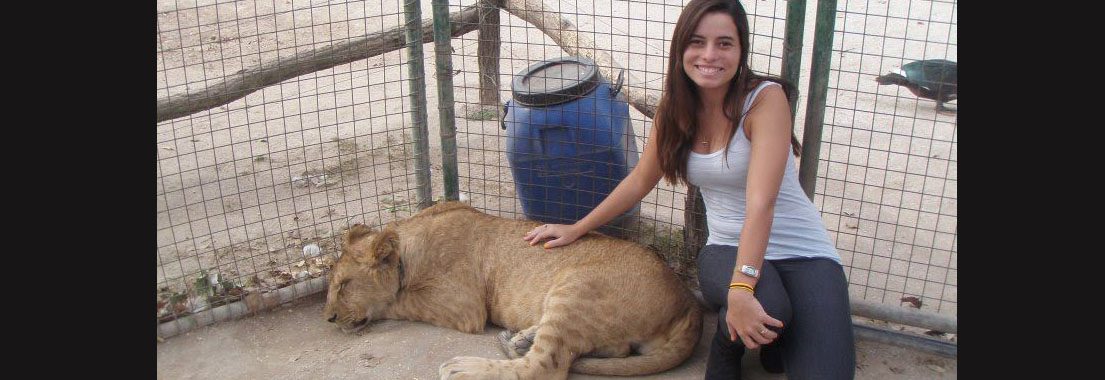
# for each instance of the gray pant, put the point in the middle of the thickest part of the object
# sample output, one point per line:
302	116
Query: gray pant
810	296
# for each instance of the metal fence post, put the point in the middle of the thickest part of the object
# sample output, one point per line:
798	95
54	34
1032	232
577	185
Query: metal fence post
417	82
448	128
792	46
815	104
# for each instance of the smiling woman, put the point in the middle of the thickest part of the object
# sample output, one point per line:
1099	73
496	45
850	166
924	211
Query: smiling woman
727	130
711	60
713	55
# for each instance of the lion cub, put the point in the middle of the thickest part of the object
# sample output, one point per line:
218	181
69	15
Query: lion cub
599	306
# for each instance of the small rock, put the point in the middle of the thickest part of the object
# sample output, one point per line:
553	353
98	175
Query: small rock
311	250
936	368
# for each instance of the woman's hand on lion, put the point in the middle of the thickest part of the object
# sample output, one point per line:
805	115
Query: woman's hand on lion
561	234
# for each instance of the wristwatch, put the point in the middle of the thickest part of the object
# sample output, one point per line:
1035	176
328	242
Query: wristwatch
750	271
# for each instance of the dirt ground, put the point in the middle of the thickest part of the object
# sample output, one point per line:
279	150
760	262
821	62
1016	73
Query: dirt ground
294	342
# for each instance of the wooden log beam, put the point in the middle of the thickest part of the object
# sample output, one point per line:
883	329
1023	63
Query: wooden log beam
564	33
235	87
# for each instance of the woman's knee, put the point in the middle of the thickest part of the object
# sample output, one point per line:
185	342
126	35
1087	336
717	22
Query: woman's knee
715	269
773	295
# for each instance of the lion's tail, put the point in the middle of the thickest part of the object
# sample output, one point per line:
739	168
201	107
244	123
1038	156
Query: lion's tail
676	347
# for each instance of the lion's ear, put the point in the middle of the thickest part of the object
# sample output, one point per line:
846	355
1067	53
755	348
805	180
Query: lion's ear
384	250
355	233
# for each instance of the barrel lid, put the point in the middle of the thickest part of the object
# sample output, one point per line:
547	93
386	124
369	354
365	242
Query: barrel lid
555	81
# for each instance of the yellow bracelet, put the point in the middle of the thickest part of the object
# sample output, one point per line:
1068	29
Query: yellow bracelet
736	284
742	286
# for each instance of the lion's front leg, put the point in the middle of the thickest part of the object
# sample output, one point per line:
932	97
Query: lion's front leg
470	367
550	356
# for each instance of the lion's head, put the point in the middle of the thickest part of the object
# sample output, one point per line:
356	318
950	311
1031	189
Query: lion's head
365	279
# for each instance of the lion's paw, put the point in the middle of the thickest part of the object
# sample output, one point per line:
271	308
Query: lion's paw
516	345
504	344
467	367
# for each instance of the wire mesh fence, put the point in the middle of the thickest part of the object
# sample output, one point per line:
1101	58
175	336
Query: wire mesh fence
887	173
253	193
283	123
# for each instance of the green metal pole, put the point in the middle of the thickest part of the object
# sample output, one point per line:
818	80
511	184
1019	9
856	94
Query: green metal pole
819	86
792	45
444	61
417	83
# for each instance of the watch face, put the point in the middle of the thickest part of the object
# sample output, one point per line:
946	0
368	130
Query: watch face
749	271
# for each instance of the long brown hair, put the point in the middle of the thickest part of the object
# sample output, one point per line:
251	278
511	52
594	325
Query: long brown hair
675	119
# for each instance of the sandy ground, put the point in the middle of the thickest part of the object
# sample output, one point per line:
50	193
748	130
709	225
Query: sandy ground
294	342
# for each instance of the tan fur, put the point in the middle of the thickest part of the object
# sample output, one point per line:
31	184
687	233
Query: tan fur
586	306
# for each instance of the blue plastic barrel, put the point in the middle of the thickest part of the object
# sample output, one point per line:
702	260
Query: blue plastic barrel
569	141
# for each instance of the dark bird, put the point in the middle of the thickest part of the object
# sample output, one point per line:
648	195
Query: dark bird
935	79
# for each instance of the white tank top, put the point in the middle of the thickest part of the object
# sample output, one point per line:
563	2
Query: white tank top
796	229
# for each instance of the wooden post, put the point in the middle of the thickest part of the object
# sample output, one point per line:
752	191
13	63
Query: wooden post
487	52
694	222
